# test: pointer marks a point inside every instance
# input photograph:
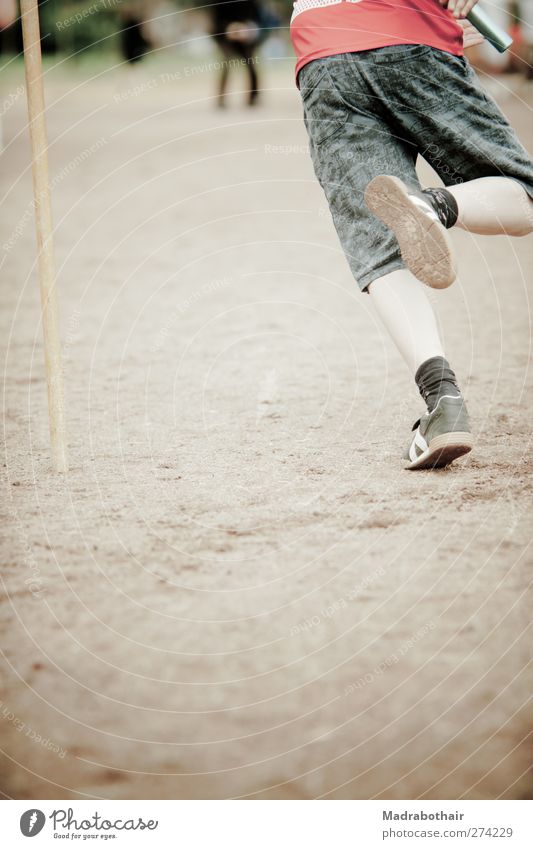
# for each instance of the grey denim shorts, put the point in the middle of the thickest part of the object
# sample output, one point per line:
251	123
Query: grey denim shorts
375	112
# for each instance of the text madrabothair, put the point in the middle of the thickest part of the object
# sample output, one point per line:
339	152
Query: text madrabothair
422	815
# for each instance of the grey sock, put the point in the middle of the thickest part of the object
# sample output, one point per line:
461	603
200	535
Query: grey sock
434	379
444	204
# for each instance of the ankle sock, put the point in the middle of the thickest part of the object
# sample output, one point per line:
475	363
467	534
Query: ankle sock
434	379
444	204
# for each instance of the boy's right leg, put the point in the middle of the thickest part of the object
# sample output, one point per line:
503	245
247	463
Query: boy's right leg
488	206
493	206
464	136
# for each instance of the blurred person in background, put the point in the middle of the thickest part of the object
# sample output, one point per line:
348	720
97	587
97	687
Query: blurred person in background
236	28
132	39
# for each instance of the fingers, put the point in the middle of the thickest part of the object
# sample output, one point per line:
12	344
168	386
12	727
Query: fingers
459	8
471	37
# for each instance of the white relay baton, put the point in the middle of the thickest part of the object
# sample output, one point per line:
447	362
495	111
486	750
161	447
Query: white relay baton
494	34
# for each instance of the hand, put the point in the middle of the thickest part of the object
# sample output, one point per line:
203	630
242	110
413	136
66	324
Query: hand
459	8
471	36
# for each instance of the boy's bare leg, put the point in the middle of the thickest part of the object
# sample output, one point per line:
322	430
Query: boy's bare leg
419	219
443	432
493	206
403	306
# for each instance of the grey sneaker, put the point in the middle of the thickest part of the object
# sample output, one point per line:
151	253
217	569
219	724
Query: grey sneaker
440	436
424	243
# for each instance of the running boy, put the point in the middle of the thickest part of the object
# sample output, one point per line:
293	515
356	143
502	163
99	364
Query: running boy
383	81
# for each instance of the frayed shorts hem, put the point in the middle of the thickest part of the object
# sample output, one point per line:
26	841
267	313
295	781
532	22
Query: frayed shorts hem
366	279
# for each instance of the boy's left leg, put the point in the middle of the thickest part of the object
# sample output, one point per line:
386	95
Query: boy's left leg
443	432
403	306
248	53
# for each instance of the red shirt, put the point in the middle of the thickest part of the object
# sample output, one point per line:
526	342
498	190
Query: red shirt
326	27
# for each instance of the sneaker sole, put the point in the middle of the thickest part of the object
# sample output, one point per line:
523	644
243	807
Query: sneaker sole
424	244
443	450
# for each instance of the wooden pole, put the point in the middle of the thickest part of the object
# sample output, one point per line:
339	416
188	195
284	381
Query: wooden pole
44	226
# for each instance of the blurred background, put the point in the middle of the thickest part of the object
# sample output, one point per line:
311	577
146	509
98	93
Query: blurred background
136	30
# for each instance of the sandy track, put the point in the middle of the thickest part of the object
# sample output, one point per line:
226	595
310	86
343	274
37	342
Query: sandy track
237	590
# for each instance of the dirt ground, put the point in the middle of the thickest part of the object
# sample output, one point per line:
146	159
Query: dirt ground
237	591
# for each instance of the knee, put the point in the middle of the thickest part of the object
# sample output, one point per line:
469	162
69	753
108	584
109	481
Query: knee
525	227
526	224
